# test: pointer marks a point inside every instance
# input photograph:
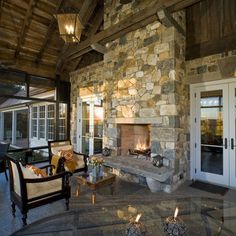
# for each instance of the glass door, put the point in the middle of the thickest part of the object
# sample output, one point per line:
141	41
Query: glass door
212	136
232	130
90	125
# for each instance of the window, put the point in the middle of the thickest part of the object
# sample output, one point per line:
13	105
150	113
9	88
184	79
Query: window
42	122
62	121
34	122
51	121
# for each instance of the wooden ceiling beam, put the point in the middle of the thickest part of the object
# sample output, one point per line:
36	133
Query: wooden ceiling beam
182	5
98	47
87	10
168	20
77	63
96	23
132	22
85	13
51	28
25	26
25	64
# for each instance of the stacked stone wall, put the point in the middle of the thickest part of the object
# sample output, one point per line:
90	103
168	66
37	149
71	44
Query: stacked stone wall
142	80
211	68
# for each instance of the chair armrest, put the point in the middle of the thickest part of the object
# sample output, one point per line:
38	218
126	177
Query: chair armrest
79	153
65	175
46	166
50	167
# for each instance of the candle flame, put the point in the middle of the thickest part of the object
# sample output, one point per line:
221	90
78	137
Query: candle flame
138	217
176	212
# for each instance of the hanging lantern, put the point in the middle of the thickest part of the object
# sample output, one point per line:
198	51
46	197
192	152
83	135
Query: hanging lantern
70	26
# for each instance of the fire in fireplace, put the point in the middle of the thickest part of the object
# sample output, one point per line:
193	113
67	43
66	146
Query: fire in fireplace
135	139
144	153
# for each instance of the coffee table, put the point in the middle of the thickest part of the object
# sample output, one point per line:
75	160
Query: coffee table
107	179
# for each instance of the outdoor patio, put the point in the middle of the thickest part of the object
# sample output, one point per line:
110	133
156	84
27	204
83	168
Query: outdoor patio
146	85
112	213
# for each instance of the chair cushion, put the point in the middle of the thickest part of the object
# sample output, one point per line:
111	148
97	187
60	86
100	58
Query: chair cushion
39	189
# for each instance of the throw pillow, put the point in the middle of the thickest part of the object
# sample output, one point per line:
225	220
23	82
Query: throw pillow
27	173
39	172
67	154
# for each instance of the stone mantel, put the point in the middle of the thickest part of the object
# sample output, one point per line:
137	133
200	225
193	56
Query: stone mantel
126	120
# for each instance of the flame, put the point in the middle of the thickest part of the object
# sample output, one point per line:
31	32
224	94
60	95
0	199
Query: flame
176	212
141	146
138	217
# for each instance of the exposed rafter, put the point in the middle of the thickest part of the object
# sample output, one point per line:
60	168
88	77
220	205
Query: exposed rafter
181	5
133	22
85	13
50	30
87	10
25	26
98	47
167	20
96	23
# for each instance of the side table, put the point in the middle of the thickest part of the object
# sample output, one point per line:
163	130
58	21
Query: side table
107	179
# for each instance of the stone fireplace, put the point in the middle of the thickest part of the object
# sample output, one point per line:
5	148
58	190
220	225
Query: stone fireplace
142	82
134	137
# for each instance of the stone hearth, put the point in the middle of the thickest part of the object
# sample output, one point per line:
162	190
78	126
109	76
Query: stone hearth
136	170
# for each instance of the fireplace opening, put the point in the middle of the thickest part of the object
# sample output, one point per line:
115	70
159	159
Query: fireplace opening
135	140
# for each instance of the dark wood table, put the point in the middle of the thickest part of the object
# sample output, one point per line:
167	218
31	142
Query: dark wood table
107	179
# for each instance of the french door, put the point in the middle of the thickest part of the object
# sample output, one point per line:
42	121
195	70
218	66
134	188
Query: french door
214	133
90	125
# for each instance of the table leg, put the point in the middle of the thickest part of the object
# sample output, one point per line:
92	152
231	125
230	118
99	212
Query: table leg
112	189
78	190
93	197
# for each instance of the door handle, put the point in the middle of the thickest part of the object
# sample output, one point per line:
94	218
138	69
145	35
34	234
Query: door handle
226	143
232	144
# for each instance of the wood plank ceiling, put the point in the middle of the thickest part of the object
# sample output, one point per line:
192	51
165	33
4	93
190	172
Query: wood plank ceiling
29	36
30	41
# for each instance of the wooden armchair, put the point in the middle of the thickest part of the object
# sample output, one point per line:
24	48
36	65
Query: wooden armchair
3	151
80	158
29	191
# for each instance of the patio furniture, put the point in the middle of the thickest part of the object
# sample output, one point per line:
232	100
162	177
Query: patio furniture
29	190
107	179
79	158
3	151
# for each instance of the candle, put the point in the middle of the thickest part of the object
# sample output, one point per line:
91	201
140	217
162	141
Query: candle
136	228
174	226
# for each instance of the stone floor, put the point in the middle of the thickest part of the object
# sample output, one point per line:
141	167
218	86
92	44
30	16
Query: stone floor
125	194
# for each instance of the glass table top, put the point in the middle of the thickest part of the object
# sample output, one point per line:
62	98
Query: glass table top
201	216
88	177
